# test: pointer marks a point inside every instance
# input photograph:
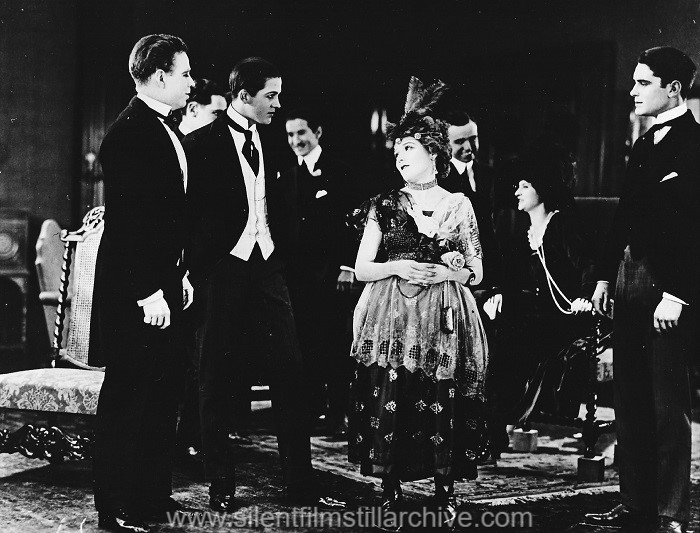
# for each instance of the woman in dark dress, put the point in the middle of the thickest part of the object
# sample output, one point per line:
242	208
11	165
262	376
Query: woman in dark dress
416	400
549	266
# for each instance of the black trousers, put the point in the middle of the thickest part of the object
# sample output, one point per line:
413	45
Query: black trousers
137	410
652	397
325	337
251	296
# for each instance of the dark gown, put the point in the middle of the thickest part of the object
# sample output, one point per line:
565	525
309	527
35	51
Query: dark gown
417	398
539	331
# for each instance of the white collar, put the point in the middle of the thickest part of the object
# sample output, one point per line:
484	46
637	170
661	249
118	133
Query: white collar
156	105
461	166
671	114
311	158
240	119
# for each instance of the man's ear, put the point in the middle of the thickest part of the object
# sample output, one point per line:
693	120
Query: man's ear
319	132
674	88
192	108
243	96
159	76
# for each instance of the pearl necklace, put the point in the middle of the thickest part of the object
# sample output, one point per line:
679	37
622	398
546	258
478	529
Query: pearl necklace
422	186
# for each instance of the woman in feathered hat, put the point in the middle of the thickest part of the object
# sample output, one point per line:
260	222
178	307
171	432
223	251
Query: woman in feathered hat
417	398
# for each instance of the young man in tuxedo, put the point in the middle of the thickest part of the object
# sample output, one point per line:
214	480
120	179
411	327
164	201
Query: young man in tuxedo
241	233
653	255
140	291
321	191
467	175
206	102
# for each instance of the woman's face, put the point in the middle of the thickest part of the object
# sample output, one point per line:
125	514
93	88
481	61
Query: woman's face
413	161
527	196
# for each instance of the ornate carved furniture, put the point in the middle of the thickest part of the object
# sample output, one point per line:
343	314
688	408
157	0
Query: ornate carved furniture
71	384
48	263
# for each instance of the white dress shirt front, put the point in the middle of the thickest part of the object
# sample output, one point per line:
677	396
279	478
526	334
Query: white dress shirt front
256	228
461	166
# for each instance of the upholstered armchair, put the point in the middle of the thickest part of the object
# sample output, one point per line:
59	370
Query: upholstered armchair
70	385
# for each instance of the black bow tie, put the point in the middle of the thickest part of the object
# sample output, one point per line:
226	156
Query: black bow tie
250	152
170	120
649	134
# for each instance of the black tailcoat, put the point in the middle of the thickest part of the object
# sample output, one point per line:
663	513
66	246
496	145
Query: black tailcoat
247	301
140	252
653	248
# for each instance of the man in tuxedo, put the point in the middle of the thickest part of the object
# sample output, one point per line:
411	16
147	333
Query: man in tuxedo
321	191
140	290
241	233
467	175
653	254
206	102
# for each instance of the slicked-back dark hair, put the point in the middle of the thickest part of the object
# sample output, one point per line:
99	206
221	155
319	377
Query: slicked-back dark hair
670	64
457	118
154	52
251	74
312	118
203	90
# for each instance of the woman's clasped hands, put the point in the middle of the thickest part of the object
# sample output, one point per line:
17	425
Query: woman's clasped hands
421	273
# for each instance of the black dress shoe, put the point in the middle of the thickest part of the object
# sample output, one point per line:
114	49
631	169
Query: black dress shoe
392	496
617	517
222	502
446	502
121	521
221	495
669	525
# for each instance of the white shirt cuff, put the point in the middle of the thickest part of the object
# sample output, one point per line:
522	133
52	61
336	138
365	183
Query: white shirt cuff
603	281
673	298
152	298
347	268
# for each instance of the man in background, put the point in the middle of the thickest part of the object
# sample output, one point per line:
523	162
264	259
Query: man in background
206	102
321	190
474	179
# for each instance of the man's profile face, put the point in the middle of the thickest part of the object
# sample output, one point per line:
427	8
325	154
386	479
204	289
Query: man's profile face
178	82
200	115
650	98
464	141
262	106
300	137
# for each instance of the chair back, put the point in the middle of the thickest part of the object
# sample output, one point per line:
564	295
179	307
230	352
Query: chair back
82	245
49	259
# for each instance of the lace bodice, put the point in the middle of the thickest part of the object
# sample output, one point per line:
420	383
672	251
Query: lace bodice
452	224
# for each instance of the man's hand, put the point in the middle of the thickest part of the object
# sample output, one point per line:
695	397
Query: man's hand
601	298
346	281
666	315
157	313
493	306
187	293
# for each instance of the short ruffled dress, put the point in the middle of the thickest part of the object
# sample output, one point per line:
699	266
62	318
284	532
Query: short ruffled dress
417	399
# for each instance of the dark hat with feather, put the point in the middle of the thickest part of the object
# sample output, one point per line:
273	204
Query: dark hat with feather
419	121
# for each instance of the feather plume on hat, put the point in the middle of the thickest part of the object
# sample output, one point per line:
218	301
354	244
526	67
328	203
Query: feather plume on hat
419	121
